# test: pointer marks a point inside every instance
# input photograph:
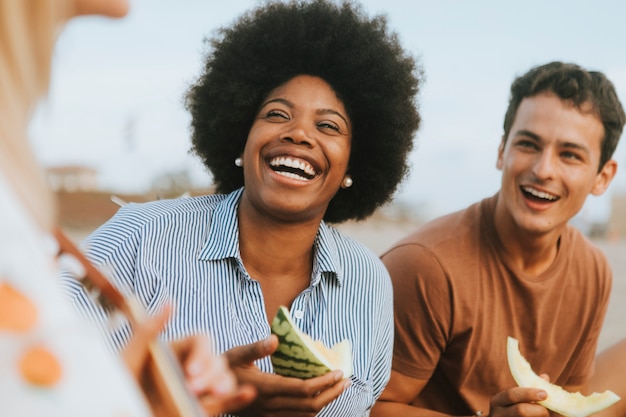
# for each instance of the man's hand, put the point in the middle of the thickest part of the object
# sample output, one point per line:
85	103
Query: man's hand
519	402
278	395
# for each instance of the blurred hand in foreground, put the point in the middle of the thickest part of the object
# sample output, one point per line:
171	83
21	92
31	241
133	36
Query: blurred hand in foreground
208	376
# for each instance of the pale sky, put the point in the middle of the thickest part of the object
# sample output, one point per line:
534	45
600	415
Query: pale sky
116	95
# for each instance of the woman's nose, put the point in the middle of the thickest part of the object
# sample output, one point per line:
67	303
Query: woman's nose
298	135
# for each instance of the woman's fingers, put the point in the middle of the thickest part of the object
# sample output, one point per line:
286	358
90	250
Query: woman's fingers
136	352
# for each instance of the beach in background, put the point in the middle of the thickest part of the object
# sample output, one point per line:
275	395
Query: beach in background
379	235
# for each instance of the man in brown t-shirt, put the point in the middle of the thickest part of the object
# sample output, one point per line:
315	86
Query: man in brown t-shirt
510	265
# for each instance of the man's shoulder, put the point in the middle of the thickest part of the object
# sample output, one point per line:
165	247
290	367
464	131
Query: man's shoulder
352	251
581	248
448	230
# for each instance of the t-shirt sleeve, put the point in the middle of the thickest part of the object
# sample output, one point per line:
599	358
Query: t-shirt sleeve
422	309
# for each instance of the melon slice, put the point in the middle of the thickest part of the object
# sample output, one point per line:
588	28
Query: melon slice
300	356
569	404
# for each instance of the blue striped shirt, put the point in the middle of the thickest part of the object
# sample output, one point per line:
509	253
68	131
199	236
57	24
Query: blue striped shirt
187	251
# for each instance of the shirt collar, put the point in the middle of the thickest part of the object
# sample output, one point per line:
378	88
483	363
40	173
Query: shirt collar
326	255
225	224
223	235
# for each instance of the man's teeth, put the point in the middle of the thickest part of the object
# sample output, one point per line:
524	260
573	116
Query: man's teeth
540	194
298	164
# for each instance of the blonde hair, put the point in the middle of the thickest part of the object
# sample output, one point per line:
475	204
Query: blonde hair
28	32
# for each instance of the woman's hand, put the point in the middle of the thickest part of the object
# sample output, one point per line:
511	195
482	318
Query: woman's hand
278	395
210	378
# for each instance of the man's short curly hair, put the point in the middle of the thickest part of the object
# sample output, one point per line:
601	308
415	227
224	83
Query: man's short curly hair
363	62
573	83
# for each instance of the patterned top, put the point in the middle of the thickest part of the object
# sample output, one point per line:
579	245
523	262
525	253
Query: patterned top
51	362
187	251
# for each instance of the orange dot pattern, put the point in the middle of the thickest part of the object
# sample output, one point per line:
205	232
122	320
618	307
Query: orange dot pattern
17	312
39	366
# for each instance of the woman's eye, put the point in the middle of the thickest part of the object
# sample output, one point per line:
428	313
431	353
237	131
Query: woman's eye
274	114
328	125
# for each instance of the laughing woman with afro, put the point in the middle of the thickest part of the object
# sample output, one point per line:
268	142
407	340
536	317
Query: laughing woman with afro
304	114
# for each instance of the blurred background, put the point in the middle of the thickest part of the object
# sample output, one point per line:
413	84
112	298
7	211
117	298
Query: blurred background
114	123
115	113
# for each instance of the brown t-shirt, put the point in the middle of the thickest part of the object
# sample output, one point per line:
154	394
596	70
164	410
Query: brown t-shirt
458	297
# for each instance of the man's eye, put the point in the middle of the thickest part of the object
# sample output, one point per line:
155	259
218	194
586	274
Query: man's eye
526	144
571	155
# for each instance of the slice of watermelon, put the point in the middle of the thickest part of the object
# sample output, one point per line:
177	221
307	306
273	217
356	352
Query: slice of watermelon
568	404
300	356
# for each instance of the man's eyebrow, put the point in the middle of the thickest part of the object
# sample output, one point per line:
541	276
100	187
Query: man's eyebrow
532	135
561	143
573	145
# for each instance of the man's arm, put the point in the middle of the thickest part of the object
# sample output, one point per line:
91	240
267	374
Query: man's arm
412	311
422	320
609	374
395	399
402	389
414	308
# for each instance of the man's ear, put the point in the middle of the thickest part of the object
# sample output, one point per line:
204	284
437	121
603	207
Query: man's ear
500	162
604	177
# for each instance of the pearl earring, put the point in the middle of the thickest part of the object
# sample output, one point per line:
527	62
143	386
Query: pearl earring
347	181
238	162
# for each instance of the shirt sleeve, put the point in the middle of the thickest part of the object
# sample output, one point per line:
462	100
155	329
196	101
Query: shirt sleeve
422	309
112	248
383	338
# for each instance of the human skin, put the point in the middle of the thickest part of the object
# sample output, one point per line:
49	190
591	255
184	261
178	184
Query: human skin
549	164
111	8
302	120
609	374
305	121
208	376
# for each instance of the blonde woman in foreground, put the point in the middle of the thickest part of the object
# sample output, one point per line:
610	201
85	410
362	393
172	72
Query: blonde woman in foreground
51	363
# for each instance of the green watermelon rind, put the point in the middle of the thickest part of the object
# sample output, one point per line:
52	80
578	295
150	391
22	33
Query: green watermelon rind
293	358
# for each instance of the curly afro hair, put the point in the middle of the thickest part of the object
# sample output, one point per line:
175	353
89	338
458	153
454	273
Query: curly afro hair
363	62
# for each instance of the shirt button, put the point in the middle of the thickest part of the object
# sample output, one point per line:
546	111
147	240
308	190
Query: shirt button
298	314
